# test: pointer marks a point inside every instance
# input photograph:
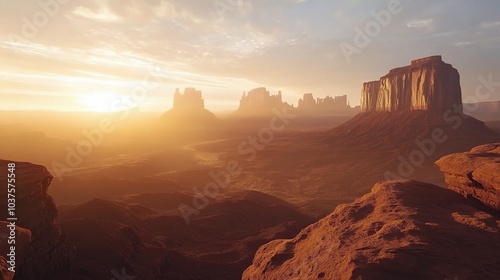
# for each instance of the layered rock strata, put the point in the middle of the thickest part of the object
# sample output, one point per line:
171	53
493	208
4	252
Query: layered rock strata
426	84
475	174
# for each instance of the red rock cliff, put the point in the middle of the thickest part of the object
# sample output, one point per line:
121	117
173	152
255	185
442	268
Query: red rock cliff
400	230
47	254
426	84
475	174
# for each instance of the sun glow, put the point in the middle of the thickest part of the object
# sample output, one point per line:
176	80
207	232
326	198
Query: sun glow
99	101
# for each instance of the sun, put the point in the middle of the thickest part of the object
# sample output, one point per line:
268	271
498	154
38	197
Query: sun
99	101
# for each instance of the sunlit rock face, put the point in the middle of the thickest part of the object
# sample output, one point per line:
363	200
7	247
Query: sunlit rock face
474	174
427	84
400	230
369	96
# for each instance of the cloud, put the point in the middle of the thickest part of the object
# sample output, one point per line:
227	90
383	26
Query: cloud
283	43
495	24
462	44
102	14
419	24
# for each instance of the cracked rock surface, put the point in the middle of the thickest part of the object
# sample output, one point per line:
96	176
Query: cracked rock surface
400	230
475	174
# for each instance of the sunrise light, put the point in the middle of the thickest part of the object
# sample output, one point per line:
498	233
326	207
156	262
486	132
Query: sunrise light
98	101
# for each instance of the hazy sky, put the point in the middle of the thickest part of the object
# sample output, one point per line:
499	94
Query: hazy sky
85	55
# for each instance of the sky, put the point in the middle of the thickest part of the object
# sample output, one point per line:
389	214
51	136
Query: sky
78	55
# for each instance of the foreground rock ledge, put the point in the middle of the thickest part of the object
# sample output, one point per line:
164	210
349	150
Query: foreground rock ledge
47	255
475	174
400	230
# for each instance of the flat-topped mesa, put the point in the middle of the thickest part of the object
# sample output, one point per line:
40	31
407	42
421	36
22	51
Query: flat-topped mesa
190	100
258	100
427	84
434	58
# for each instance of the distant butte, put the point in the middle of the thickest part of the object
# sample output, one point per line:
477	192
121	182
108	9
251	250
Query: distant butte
337	104
189	110
427	84
259	100
190	100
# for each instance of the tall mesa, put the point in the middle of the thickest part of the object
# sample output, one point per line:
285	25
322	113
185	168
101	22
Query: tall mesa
427	84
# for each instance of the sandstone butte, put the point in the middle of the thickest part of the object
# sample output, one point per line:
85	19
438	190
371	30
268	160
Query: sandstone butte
427	84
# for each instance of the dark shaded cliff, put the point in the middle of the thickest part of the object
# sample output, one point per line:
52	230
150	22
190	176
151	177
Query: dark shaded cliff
47	255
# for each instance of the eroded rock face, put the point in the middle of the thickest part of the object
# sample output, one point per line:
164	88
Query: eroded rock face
475	174
400	230
47	254
426	84
22	241
369	96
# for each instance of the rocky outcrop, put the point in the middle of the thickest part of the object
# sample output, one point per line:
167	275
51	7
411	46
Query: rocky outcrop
47	255
188	112
307	102
426	84
490	107
259	101
485	111
369	96
475	174
22	241
190	100
323	105
400	230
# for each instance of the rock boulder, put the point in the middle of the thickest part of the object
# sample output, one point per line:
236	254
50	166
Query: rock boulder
475	174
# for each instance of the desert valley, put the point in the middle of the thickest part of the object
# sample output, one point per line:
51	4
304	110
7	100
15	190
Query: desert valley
249	139
251	194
